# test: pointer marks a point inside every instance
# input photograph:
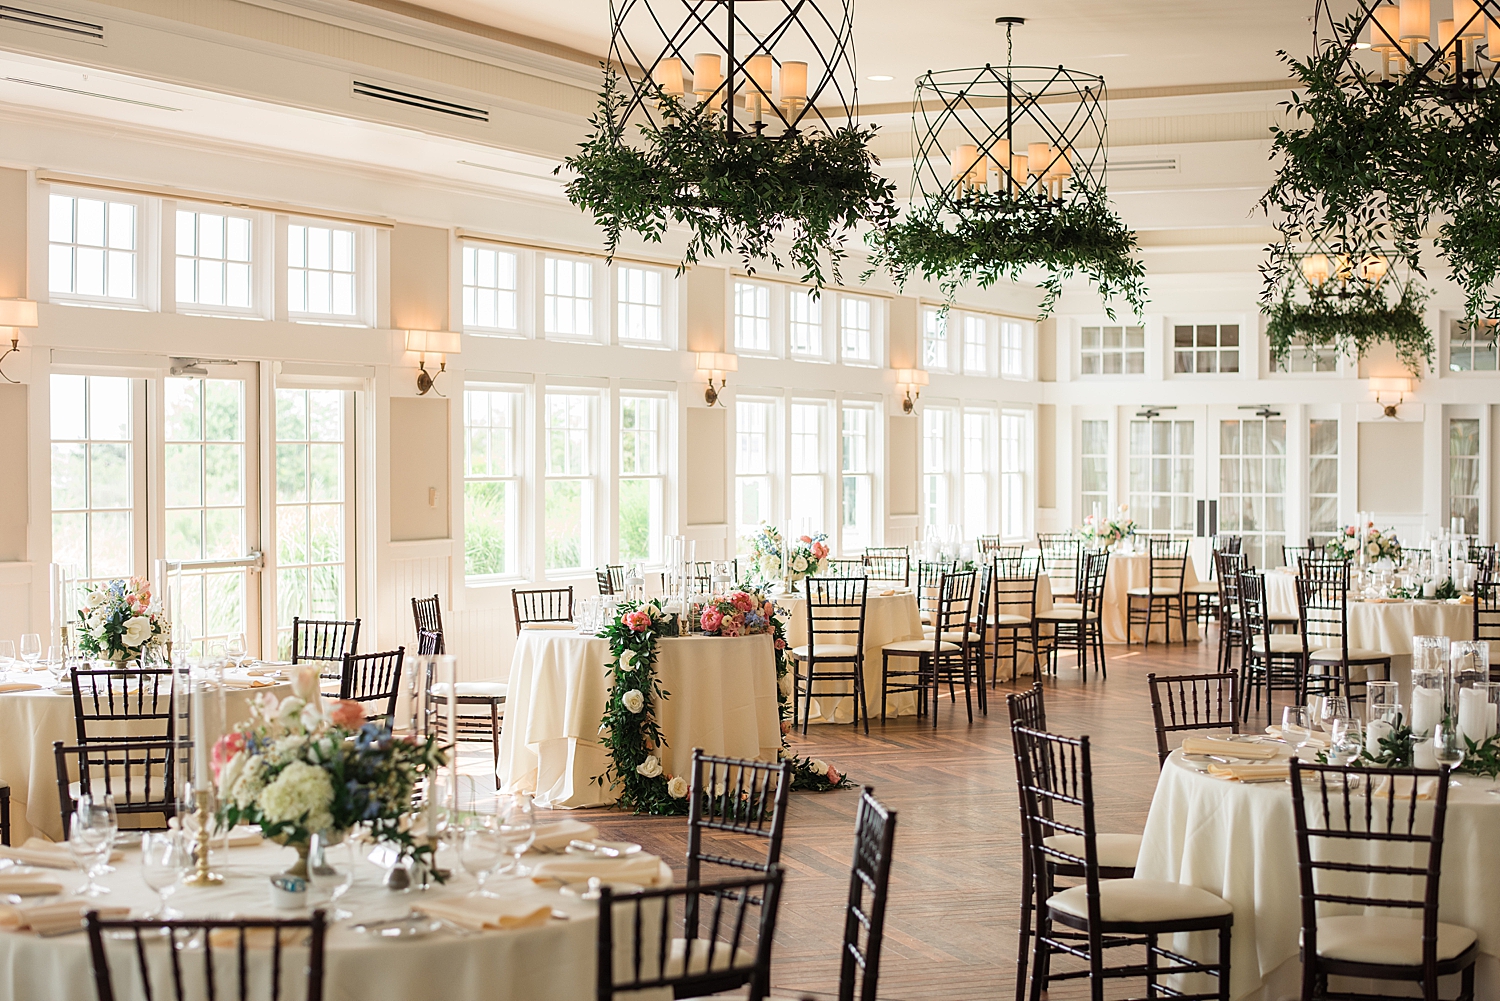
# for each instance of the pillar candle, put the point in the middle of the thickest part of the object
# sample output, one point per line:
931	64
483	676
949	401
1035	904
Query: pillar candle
1473	707
1374	733
1426	709
1424	754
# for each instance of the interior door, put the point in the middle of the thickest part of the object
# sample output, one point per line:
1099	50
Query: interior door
1247	462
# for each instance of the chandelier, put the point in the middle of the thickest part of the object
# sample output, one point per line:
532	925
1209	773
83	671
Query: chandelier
1400	40
1008	173
738	120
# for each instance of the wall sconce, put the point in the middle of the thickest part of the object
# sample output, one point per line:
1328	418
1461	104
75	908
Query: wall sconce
15	314
1384	389
910	382
432	342
717	365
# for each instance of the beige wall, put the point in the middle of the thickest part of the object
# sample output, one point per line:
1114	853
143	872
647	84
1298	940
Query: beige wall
906	331
13	483
12	234
1046	455
707	313
1046	350
1390	463
704	476
419	278
902	493
419	469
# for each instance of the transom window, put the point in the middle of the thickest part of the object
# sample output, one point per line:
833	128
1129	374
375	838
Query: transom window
1113	351
1303	358
569	516
490	287
977	345
934	340
1463	473
1013	349
213	260
1161	477
804	324
856	335
752	318
640	305
1252	486
1322	480
858	471
1094	454
643	467
492	482
321	271
92	248
567	297
1206	348
93	445
1471	350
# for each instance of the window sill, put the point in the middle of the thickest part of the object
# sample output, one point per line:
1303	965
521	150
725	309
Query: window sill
513	335
215	314
645	345
131	306
328	321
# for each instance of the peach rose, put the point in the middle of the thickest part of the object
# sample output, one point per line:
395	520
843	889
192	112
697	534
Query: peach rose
348	714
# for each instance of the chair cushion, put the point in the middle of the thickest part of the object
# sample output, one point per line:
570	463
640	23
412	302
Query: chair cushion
1377	938
826	650
1116	851
1065	614
1280	643
951	636
1141	900
1009	620
1333	654
1203	587
724	957
918	646
1156	592
479	689
1284	620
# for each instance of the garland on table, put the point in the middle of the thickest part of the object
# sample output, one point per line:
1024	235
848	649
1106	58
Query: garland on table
1396	751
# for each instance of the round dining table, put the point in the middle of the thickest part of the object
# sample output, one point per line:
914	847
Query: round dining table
1238	840
1130	570
550	959
891	615
721	697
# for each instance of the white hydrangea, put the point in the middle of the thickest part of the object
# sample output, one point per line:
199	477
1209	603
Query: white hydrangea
303	794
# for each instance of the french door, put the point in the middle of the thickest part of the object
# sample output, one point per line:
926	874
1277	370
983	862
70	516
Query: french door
1248	474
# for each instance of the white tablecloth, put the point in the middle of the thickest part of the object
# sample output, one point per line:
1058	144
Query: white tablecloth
1134	570
889	618
551	961
30	722
1239	841
722	699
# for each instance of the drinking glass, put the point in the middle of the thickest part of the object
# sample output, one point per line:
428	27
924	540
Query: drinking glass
482	850
1348	740
164	859
330	869
31	648
1381	699
1448	745
1294	725
1335	707
235	649
92	838
516	827
7	654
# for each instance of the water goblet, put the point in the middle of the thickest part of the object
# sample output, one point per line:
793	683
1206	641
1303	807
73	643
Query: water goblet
1448	745
1334	707
165	857
92	838
330	869
1295	728
31	648
482	850
1348	741
235	649
516	827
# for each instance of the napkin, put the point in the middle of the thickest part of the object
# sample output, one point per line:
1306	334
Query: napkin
27	885
549	625
481	913
255	938
46	854
1270	772
1227	748
887	592
640	868
244	836
1426	789
1312	739
246	682
555	837
265	669
19	686
58	917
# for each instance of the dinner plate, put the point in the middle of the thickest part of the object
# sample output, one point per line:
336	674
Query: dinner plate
407	926
604	849
590	891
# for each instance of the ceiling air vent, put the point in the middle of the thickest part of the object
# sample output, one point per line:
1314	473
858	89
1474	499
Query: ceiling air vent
1163	164
69	26
380	92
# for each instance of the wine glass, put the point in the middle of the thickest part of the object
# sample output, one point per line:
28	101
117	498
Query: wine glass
1334	707
482	850
1295	728
31	648
1448	746
330	869
1348	740
164	858
92	838
516	827
235	649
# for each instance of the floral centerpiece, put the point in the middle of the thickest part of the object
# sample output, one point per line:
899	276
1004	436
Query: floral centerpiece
739	614
772	559
306	765
120	620
1377	545
1105	532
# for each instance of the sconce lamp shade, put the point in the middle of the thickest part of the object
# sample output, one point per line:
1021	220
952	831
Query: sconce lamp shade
717	362
17	313
1401	386
911	377
434	342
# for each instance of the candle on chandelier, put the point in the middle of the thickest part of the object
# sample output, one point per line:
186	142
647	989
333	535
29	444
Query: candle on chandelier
668	76
708	77
794	84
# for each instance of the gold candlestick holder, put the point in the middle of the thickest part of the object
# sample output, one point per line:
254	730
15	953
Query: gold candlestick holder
202	875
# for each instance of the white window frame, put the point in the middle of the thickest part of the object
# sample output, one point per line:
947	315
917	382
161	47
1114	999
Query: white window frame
1125	350
871	474
1016	338
762	294
595	500
1140	501
1456	330
662	476
980	353
940	463
823	448
263	261
146	240
979	468
1192	353
773	451
1016	477
1478	459
875	353
1086	497
1252	483
522	291
936	339
824	305
516	479
1298	354
1337	459
364	271
665	306
599	327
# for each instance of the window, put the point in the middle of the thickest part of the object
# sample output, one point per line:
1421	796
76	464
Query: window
492	482
977	345
490	287
213	260
1113	351
1252	486
313	520
752	318
1013	467
321	263
1013	349
1322	480
1161	477
1470	350
567	297
1094	462
855	330
809	467
980	495
1206	348
640	306
937	465
93	489
569	500
934	340
92	248
754	423
1463	473
643	466
1302	358
804	324
858	487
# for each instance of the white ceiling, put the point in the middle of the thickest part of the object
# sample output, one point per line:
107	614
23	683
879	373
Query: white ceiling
1132	43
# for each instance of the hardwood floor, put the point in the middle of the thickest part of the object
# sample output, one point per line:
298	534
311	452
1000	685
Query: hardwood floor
953	915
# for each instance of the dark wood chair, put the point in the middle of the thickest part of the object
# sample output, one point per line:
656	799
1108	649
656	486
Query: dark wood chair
1323	612
1083	921
1292	556
541	604
942	656
888	566
138	774
427	613
636	947
1231	629
1061	562
374	679
157	951
1167	567
487	697
611	579
327	641
1012	615
1343	814
869	873
4	813
1192	702
1487	618
109	700
1080	627
1271	661
835	648
847	568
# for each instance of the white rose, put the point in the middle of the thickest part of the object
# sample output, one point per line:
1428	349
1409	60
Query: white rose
677	787
305	682
137	630
290	710
634	701
773	564
1373	549
230	775
627	661
650	768
821	767
800	564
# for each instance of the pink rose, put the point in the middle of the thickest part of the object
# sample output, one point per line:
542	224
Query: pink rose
834	776
638	622
711	620
786	727
228	746
348	714
768	610
819	550
781	644
742	601
733	625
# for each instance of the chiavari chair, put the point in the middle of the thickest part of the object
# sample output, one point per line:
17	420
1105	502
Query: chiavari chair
869	874
835	648
1270	661
139	774
486	696
611	579
373	680
1192	702
1013	592
325	641
1487	617
1061	562
888	566
1080	627
1167	566
196	958
1323	610
1231	628
847	568
107	701
1292	556
1365	849
541	604
427	613
4	813
986	544
942	656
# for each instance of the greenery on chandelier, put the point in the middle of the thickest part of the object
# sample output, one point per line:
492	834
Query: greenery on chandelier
987	236
735	194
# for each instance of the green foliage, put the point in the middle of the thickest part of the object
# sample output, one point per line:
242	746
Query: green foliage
1447	590
1395	749
736	195
629	736
1352	325
485	518
993	235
